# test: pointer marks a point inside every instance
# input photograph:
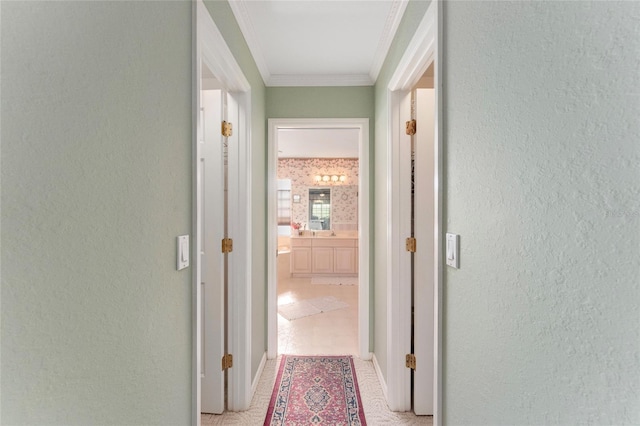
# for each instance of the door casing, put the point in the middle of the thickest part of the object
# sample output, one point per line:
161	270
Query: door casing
425	48
210	48
362	124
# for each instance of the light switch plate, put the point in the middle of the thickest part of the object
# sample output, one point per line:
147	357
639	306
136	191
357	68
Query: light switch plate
452	252
183	252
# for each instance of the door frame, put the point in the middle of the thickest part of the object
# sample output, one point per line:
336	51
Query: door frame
362	124
424	48
209	47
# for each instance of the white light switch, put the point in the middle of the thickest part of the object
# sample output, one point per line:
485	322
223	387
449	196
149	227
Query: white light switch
452	252
183	252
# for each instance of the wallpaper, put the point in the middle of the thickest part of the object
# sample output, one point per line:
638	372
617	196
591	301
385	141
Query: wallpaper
344	195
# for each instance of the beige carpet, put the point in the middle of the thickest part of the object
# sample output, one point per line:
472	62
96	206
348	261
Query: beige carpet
375	406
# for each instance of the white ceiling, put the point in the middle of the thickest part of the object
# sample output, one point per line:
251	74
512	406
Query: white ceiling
318	143
319	42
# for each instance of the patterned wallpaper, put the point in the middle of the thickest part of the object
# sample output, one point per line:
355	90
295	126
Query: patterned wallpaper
344	195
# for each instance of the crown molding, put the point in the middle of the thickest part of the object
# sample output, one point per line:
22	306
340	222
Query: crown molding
291	80
391	26
239	9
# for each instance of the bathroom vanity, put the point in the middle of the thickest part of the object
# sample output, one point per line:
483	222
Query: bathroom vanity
324	256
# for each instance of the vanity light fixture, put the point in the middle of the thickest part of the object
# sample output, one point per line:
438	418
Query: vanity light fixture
332	178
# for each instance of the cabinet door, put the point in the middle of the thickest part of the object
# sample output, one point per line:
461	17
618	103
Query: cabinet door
301	260
322	262
345	260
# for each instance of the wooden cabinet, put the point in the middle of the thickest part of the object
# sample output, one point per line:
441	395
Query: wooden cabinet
300	256
345	260
301	260
322	260
324	256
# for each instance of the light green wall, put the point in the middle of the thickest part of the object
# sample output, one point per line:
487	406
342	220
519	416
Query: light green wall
410	21
320	102
329	102
226	23
542	183
96	184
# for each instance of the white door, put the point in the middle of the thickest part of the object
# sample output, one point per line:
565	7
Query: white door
423	283
211	176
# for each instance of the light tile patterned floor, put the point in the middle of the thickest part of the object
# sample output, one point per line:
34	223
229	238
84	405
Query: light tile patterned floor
330	333
327	333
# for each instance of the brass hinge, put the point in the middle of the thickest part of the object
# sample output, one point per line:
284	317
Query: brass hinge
227	129
227	361
227	245
410	361
411	127
411	244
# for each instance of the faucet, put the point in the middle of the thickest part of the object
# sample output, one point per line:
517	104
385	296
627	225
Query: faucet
333	233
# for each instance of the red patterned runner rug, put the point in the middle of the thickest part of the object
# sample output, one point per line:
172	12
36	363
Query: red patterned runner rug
315	390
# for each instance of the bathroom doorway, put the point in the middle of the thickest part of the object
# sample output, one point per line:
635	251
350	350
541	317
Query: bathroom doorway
318	237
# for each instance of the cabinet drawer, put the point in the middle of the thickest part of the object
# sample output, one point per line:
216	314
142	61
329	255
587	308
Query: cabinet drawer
334	242
300	242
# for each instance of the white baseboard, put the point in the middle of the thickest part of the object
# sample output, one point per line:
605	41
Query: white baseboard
367	356
256	379
383	384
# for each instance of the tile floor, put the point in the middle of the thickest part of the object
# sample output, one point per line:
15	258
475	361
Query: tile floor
328	333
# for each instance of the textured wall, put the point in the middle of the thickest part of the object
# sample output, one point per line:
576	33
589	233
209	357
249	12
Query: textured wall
96	185
225	21
542	183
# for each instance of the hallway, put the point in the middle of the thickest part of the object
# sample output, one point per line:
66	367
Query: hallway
329	333
373	400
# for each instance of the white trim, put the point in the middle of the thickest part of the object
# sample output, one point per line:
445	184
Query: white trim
424	48
398	259
391	26
438	335
196	243
363	224
256	379
296	80
419	53
239	9
210	48
239	290
383	384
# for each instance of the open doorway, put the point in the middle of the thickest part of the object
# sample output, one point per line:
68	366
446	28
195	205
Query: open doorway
317	262
318	237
